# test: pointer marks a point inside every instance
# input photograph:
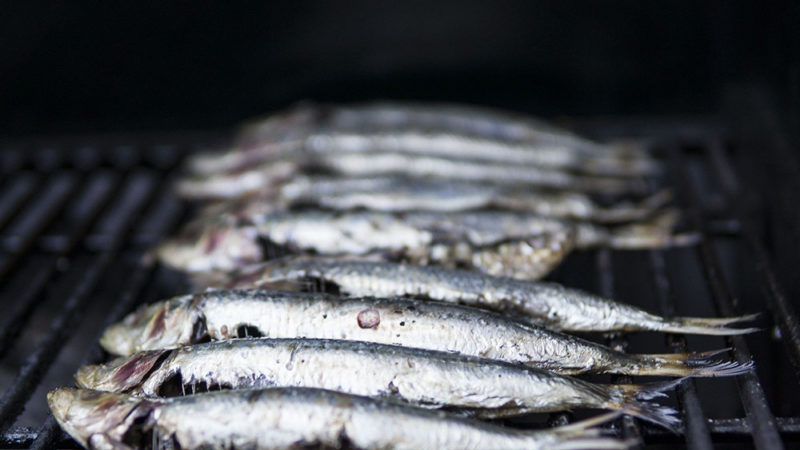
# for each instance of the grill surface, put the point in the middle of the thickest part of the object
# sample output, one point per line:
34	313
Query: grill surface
77	216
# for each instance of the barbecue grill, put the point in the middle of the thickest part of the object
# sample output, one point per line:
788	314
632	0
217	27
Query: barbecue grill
78	214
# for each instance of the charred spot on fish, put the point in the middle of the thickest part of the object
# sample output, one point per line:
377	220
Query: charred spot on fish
140	433
200	331
271	249
402	323
317	284
172	387
369	318
324	316
248	331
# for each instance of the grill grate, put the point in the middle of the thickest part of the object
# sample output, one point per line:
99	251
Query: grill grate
77	217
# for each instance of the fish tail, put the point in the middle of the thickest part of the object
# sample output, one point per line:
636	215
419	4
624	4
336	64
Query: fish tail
709	326
632	400
702	364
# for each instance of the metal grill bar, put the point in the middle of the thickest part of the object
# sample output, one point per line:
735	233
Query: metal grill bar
13	322
13	401
605	278
760	418
695	423
50	431
782	311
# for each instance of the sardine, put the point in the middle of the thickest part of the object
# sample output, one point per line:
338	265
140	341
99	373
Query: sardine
499	243
547	304
479	121
291	418
485	387
361	164
220	315
442	129
395	194
460	147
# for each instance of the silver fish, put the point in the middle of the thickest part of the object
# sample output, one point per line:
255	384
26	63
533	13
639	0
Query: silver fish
359	164
291	418
499	243
220	315
472	120
547	304
396	194
421	377
430	128
460	147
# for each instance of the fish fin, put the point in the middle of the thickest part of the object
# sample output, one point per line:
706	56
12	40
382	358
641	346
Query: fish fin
579	427
709	326
657	232
631	399
579	435
649	391
102	441
120	374
703	364
626	211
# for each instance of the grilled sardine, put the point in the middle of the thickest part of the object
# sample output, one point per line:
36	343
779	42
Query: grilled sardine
219	315
498	243
360	164
397	194
291	418
547	304
485	387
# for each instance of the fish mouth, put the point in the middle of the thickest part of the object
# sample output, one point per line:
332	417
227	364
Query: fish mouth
85	413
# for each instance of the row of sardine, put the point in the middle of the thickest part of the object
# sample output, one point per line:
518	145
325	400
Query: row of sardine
499	243
393	200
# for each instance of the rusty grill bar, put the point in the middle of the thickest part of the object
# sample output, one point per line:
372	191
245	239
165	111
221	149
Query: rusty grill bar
77	216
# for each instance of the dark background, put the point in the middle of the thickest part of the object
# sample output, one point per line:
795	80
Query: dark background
73	67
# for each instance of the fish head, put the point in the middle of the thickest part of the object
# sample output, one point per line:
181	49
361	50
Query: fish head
95	416
121	374
162	325
216	247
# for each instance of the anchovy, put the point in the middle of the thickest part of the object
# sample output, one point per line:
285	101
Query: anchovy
291	418
499	243
547	304
394	194
220	315
486	387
